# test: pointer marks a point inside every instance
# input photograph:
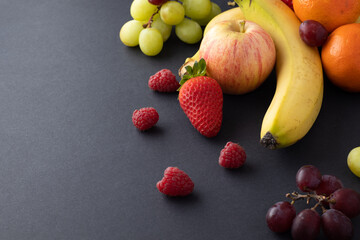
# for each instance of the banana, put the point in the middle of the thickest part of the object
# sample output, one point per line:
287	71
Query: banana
299	89
233	13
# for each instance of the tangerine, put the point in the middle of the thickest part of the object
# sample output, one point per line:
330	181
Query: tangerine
340	56
330	13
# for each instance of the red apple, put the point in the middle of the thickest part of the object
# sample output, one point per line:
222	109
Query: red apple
239	54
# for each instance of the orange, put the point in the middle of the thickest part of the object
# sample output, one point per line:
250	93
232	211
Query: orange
340	56
330	13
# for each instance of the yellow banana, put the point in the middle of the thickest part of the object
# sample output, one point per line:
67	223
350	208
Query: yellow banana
299	89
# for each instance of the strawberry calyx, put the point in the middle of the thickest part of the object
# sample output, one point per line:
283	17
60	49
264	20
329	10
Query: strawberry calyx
198	69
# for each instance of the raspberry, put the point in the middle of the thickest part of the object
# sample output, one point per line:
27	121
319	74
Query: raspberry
232	156
145	118
175	182
163	81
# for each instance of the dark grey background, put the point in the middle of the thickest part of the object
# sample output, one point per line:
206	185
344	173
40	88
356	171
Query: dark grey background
72	165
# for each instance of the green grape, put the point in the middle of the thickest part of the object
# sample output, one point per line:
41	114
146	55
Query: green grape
172	12
130	31
142	10
164	28
188	31
150	41
353	161
215	10
197	9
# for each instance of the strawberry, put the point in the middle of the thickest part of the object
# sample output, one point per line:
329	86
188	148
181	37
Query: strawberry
175	182
201	99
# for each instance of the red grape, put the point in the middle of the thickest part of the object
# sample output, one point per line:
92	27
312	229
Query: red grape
336	225
280	216
157	2
313	33
328	185
347	201
289	3
308	178
306	225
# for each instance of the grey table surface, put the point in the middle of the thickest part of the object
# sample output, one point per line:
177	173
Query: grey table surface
72	165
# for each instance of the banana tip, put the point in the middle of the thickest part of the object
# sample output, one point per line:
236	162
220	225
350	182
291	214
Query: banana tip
269	141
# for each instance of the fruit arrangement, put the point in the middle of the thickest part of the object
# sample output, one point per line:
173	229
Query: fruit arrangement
298	98
333	209
153	21
239	49
299	67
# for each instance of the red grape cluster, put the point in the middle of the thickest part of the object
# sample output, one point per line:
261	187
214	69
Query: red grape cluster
338	205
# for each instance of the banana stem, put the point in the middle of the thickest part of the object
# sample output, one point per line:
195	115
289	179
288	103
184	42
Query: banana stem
269	141
188	62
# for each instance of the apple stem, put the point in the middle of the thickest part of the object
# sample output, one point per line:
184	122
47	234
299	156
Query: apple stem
242	26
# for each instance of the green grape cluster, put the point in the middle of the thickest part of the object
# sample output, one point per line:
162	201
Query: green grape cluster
153	21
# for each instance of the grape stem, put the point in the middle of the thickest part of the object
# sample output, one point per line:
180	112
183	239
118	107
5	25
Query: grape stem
148	24
294	196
